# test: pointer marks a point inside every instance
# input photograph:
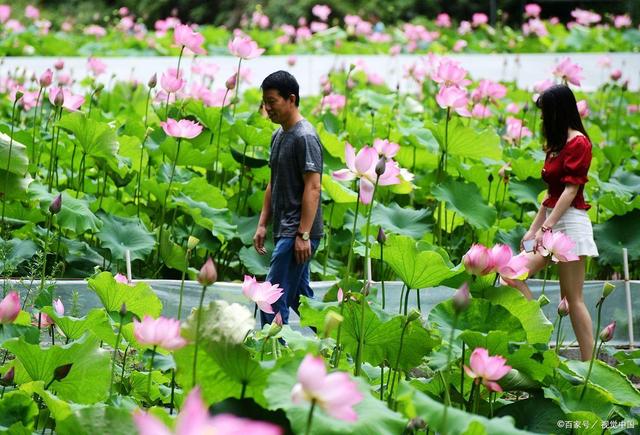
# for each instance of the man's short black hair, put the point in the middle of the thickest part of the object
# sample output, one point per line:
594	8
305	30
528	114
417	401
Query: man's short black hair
284	83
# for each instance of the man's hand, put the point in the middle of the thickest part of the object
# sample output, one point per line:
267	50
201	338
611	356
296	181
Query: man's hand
302	250
258	239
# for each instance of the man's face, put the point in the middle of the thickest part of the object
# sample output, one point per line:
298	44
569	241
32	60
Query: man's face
278	108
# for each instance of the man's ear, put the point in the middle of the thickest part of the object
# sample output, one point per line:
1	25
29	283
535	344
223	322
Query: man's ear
292	98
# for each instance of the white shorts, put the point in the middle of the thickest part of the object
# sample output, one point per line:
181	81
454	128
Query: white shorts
576	224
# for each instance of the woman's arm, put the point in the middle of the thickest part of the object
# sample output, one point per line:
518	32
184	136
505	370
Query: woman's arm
564	202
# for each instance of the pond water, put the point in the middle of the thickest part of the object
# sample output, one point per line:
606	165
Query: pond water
615	308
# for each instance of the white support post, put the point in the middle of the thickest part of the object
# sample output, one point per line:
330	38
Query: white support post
627	290
128	261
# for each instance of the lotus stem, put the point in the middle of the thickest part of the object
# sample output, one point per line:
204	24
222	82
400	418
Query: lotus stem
558	335
115	354
595	352
6	175
382	274
310	417
462	377
236	98
153	354
390	389
35	121
327	242
197	343
445	379
215	165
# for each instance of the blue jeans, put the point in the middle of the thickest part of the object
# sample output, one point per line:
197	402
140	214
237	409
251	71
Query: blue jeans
291	276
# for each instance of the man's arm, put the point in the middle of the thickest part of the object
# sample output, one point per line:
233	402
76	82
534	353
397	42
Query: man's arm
265	215
310	203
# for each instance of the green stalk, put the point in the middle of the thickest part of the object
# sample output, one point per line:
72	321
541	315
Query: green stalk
236	98
173	389
366	240
195	351
264	345
462	377
390	389
328	241
546	273
310	417
44	258
6	176
618	113
153	354
595	346
115	354
445	380
215	165
476	400
558	335
166	196
146	135
184	273
35	120
382	274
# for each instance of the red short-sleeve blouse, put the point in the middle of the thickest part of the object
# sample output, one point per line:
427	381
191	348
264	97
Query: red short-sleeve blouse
569	166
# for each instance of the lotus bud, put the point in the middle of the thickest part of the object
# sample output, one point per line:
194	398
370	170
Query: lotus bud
462	298
59	64
7	378
607	289
56	204
59	100
62	371
123	310
46	78
19	94
331	321
616	74
99	87
625	85
381	166
563	308
413	315
208	274
352	67
607	333
490	178
382	237
543	300
231	82
192	242
153	81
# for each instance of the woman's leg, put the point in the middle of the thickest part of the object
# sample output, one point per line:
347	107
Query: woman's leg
536	263
571	283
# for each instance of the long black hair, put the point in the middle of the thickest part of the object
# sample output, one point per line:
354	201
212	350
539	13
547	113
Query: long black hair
559	114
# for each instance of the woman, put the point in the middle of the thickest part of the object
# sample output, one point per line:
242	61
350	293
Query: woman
564	209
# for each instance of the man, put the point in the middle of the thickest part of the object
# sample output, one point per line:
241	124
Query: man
292	198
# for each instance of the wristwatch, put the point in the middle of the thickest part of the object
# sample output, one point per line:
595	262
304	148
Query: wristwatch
545	229
303	235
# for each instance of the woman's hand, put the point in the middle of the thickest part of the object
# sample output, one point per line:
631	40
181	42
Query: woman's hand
538	238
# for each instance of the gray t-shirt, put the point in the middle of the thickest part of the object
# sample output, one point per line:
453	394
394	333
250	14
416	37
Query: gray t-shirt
293	153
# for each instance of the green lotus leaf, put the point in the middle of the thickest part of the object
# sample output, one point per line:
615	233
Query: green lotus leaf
544	420
337	192
466	142
526	191
374	417
139	298
85	383
17	407
400	220
120	234
75	214
609	379
95	321
19	161
172	254
466	200
96	139
200	190
98	419
416	268
617	233
218	221
188	155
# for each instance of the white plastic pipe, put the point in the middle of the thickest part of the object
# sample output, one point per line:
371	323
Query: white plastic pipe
128	261
627	290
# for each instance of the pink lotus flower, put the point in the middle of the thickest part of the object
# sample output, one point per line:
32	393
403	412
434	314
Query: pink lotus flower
32	12
585	18
386	148
488	368
459	45
480	111
321	11
45	320
616	74
335	102
292	60
96	66
535	26
532	10
59	64
244	48
633	108
478	260
263	294
9	308
450	73
542	85
395	50
171	81
583	108
194	419
161	332
512	108
516	130
604	61
443	20
183	128
621	21
363	167
568	71
335	393
121	278
558	245
488	89
260	20
454	98
95	30
464	27
5	13
46	78
317	26
516	268
184	36
478	19
58	307
71	102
